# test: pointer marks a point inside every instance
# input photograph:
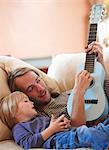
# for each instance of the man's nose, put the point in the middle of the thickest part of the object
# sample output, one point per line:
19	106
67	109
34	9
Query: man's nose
39	87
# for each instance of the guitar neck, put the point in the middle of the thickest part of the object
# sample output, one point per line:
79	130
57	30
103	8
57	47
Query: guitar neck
90	58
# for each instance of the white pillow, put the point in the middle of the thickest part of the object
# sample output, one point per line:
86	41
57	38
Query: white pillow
64	67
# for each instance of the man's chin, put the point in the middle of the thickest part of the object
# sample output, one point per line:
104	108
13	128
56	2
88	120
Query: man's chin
41	102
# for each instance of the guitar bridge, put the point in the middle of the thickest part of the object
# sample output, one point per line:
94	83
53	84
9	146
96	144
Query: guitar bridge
91	101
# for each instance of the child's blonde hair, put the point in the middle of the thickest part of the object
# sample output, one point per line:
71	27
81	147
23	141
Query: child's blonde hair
9	107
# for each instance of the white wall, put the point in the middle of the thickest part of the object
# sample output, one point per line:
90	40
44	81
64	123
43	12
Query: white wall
42	28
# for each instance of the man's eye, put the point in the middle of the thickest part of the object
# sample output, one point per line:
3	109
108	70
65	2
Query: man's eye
30	89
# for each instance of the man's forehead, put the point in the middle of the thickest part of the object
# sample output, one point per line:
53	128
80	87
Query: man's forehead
32	73
26	79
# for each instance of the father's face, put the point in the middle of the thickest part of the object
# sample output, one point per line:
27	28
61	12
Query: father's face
32	85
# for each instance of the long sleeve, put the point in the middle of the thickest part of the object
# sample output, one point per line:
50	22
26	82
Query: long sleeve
28	134
26	139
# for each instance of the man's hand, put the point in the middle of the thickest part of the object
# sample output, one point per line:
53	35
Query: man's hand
97	49
82	82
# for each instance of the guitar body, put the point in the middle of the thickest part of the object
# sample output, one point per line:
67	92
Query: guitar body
98	105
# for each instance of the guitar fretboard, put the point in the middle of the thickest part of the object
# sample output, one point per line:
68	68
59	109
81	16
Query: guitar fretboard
90	58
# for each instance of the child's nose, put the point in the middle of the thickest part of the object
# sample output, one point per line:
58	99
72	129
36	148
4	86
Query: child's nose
32	102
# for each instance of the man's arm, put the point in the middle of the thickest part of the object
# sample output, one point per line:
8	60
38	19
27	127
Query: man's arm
78	114
82	82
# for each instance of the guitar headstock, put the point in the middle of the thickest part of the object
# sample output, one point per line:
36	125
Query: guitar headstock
98	13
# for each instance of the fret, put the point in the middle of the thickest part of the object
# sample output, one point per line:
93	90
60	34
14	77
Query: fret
92	37
91	70
90	60
89	66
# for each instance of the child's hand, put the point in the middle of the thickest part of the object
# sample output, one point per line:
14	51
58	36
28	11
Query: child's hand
59	124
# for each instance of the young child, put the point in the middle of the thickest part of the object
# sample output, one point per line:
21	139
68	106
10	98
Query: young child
31	130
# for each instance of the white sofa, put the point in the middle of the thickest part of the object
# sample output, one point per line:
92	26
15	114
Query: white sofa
64	67
60	77
10	145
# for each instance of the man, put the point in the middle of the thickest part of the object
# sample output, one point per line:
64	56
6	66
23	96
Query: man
29	82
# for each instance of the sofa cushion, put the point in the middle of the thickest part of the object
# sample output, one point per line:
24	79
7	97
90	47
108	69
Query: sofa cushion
9	145
5	132
7	64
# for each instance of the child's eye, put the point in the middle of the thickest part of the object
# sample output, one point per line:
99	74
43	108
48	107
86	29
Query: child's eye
26	101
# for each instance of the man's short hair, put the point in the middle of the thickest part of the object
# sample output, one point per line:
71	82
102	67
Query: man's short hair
17	73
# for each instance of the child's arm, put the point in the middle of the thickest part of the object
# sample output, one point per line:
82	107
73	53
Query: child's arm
26	138
56	125
29	139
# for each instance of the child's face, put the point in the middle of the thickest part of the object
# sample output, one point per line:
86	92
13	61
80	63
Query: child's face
26	108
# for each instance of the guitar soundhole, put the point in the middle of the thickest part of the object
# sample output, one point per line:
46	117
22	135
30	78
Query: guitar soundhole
92	83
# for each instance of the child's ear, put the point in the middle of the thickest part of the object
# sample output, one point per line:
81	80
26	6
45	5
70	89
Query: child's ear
13	115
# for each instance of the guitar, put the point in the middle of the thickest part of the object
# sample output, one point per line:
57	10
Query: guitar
96	104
